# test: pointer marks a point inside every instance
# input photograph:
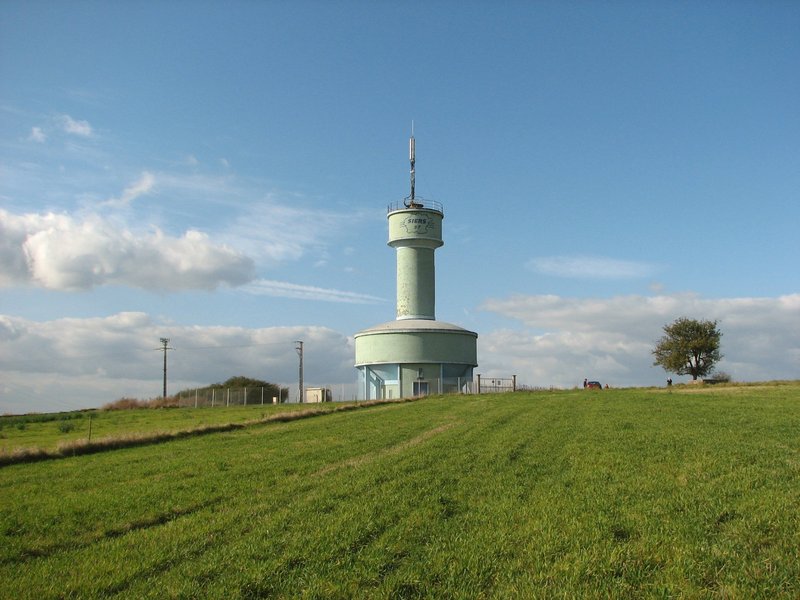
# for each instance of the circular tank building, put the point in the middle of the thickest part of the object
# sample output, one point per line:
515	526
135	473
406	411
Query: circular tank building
415	354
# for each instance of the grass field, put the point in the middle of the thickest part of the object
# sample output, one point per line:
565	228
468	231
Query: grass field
693	493
48	431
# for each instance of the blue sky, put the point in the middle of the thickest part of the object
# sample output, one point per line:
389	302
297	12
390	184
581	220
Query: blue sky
218	173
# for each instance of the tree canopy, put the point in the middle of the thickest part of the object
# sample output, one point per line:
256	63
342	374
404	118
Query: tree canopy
689	347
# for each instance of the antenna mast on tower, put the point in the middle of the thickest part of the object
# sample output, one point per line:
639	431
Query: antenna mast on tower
412	158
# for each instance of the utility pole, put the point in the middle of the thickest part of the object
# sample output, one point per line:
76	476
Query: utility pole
164	348
299	349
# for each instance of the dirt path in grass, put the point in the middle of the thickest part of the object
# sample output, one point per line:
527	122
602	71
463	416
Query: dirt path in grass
363	459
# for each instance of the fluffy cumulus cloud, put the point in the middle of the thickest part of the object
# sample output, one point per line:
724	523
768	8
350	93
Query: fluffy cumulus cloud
563	340
60	252
67	364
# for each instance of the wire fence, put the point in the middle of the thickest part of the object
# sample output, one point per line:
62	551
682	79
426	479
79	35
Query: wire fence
392	389
259	396
494	385
231	396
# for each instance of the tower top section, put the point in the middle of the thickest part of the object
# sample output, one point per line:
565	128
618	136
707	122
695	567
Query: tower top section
412	202
415	227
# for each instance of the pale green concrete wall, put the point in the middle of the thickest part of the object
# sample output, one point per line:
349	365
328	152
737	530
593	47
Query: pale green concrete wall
410	373
415	234
419	225
420	346
416	283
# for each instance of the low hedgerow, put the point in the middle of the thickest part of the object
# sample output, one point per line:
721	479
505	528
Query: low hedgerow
134	403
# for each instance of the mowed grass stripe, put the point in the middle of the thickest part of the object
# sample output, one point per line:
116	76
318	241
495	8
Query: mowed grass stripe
130	430
623	493
45	431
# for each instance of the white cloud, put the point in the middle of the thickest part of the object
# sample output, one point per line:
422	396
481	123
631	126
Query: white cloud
140	187
80	250
590	267
61	253
566	339
75	363
266	287
212	189
37	135
289	230
75	127
13	234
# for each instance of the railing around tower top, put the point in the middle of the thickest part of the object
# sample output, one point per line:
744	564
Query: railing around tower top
409	204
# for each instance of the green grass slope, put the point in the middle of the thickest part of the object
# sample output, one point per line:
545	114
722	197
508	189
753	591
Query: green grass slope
48	431
605	494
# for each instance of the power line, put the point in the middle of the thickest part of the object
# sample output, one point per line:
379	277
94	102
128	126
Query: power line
164	348
299	349
237	345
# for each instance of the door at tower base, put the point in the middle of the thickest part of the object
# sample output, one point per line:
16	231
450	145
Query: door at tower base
394	381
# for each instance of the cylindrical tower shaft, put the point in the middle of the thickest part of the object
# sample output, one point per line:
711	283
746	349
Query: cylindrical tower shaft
415	233
416	283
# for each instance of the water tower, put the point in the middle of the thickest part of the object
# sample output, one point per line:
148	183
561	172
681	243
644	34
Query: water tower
415	354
